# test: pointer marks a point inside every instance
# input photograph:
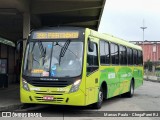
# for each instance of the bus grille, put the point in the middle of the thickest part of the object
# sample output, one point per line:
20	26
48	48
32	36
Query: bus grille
49	83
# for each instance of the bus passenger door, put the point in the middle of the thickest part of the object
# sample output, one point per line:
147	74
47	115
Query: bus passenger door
92	77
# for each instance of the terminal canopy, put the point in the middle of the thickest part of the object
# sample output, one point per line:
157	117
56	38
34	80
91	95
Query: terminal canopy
80	13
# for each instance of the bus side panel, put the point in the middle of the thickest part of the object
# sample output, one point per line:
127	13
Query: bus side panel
125	76
141	72
91	88
138	76
109	74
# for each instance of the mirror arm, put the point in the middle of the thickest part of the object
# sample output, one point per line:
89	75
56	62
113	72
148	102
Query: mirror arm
18	44
24	39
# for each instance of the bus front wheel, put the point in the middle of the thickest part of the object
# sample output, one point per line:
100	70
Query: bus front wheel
98	104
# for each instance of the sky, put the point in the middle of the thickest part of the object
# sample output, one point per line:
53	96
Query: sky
123	19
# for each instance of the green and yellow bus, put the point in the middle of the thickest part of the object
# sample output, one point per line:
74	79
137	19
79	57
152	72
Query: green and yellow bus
78	66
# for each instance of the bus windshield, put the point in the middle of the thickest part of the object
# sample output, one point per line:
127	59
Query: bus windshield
45	59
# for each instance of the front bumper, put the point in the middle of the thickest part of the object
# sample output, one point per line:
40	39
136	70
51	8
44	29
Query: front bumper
60	97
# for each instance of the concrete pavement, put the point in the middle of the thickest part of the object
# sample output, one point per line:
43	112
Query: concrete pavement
9	98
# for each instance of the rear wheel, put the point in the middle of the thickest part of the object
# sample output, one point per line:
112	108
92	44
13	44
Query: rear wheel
98	104
131	89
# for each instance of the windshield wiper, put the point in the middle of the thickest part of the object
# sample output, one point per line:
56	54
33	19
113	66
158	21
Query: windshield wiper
42	51
67	49
63	50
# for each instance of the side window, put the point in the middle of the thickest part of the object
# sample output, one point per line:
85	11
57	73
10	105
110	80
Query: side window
107	51
123	54
130	56
135	57
92	59
140	59
114	53
104	52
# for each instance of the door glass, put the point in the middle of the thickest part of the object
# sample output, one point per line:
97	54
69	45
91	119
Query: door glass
92	60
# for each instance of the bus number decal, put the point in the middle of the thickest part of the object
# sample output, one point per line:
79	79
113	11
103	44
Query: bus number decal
111	75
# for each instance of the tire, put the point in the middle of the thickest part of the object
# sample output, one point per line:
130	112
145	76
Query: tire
98	104
131	91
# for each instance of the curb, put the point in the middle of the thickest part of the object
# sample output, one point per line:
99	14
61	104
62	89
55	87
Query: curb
158	81
11	107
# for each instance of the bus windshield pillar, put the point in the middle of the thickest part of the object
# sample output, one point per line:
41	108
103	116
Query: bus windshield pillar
26	27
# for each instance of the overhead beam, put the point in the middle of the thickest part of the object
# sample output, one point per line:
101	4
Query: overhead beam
44	7
13	30
23	5
58	20
78	25
8	11
69	0
81	13
91	22
36	21
100	16
7	42
11	36
20	5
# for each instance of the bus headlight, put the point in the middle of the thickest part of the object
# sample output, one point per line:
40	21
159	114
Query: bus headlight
25	85
75	86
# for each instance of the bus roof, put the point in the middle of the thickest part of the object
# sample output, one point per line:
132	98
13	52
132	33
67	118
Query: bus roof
95	34
114	39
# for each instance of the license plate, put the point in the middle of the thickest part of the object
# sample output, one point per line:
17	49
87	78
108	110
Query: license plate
48	97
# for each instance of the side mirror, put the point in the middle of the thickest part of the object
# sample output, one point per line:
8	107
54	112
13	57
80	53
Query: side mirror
18	45
90	45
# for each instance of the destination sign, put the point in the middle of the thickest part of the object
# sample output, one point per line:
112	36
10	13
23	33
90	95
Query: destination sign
55	35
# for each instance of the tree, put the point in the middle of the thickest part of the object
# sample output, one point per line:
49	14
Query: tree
148	65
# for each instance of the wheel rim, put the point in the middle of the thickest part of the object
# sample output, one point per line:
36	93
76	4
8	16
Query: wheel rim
132	89
100	96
